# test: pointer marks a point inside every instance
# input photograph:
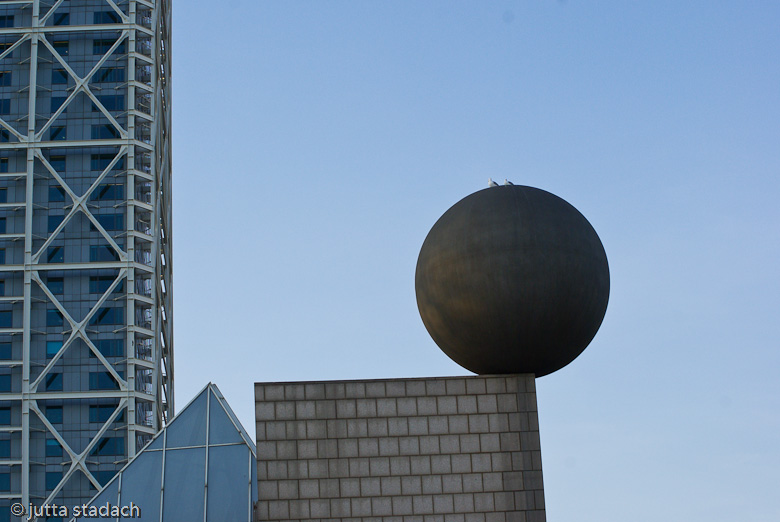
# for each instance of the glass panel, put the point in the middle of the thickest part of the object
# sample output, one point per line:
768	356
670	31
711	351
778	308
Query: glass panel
185	473
189	427
229	483
109	494
141	484
221	430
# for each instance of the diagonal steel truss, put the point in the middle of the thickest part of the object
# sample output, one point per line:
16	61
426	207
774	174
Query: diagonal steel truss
142	258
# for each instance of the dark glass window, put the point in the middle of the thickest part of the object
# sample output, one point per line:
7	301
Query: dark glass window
2	226
2	287
103	476
54	414
54	382
54	222
103	381
56	102
7	21
110	221
6	319
110	191
56	285
52	347
5	383
61	19
5	106
3	164
3	195
101	413
55	254
53	448
109	75
110	347
5	78
53	317
56	193
110	446
99	284
61	47
58	133
2	256
112	102
5	351
5	136
108	315
58	163
5	481
101	161
52	479
5	448
59	76
104	132
5	416
102	253
102	46
106	17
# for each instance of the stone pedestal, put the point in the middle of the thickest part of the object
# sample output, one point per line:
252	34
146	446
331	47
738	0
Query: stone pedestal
453	449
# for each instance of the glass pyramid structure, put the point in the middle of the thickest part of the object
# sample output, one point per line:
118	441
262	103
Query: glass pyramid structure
200	467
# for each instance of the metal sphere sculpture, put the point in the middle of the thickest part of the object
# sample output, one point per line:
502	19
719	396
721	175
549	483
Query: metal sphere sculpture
512	279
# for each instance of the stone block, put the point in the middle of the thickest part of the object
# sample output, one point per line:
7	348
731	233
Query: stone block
467	404
400	465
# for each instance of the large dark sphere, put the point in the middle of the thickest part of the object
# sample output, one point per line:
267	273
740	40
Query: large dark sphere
512	279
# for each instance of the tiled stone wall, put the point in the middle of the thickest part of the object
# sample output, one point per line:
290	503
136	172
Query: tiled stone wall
454	449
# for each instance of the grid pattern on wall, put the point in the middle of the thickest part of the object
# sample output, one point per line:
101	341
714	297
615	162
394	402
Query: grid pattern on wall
459	449
86	356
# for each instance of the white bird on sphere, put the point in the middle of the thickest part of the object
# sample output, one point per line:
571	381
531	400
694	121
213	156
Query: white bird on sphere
507	182
492	183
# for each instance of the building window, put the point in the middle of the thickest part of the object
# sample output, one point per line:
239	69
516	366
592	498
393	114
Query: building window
110	348
54	414
102	161
2	287
62	47
58	133
61	19
102	253
5	106
112	102
53	223
108	315
104	132
99	284
5	449
101	413
53	317
2	256
5	78
3	195
5	351
5	136
6	318
3	164
52	347
56	193
2	226
110	446
56	285
109	75
111	191
56	103
53	382
57	163
52	479
103	381
106	17
5	481
55	254
7	21
5	416
102	46
59	77
5	383
53	448
110	221
103	476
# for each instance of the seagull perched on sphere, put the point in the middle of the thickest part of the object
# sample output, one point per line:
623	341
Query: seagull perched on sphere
507	182
492	183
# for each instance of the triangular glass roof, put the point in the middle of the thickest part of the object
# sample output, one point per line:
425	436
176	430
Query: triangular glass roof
167	479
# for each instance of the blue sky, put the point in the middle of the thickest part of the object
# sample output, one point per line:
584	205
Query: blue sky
316	143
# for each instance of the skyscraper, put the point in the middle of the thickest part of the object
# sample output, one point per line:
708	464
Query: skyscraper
86	346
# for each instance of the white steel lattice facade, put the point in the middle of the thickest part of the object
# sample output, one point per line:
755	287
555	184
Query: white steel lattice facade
86	346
